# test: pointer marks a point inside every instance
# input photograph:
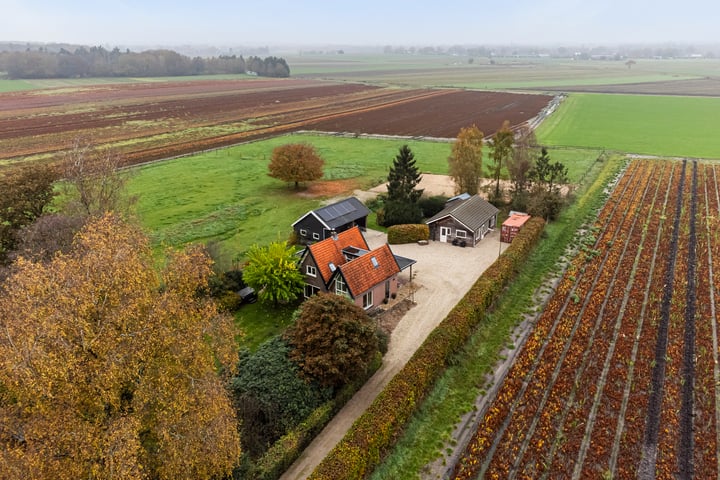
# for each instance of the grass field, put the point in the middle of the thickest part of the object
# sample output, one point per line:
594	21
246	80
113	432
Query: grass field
7	85
502	73
226	195
654	125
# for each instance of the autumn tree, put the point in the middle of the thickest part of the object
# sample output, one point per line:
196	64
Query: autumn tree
501	149
111	370
273	272
296	162
333	339
401	204
25	192
519	165
93	180
465	161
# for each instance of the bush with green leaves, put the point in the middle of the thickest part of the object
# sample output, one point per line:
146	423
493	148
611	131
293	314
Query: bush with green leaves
270	397
432	205
273	272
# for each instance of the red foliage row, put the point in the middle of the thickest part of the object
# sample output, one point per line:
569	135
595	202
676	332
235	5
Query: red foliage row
575	402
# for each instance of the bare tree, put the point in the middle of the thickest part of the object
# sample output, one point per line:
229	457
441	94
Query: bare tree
94	183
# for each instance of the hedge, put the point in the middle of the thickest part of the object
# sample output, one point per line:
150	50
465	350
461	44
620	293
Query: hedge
407	233
376	431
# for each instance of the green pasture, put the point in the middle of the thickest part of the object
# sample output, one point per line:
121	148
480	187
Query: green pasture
227	196
644	124
498	73
7	85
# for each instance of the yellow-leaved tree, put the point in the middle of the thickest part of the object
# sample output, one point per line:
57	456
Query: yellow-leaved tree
109	369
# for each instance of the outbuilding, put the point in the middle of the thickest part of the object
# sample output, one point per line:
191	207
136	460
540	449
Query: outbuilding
464	221
337	217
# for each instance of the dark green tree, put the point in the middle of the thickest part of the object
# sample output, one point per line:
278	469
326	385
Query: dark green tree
546	200
25	191
548	175
501	150
269	395
333	340
401	204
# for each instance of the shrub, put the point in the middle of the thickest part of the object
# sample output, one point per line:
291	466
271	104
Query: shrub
432	205
270	397
408	233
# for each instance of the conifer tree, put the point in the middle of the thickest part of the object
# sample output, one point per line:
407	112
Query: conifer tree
401	205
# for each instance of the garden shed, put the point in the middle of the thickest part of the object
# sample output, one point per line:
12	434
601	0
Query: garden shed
512	226
337	217
464	221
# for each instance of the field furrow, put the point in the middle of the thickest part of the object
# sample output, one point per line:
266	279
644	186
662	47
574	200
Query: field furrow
620	377
606	384
602	305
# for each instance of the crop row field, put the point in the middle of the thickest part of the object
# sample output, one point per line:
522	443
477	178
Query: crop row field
620	376
147	121
642	124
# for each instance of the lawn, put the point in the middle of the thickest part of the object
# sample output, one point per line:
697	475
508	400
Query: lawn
227	196
644	124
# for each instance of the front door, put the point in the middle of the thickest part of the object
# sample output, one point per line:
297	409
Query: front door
444	234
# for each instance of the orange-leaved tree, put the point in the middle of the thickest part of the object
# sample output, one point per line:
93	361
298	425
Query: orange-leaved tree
333	339
465	160
296	162
111	370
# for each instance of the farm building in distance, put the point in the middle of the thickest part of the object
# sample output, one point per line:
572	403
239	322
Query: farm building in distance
320	224
512	226
465	220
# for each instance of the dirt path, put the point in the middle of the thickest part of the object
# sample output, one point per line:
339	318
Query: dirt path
442	275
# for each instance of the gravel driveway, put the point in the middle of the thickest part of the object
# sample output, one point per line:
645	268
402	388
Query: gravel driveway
442	275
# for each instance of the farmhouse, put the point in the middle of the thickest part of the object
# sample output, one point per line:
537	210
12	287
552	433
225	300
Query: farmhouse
465	220
512	226
344	264
320	224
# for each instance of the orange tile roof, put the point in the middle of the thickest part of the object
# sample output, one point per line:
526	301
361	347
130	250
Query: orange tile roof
361	274
330	250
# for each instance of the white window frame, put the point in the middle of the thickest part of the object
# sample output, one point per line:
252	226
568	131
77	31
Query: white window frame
341	286
311	271
367	300
313	288
303	232
460	233
316	236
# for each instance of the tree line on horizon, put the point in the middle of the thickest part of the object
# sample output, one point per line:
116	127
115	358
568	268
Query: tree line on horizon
101	62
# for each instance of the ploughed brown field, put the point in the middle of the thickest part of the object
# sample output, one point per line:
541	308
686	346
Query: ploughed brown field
148	121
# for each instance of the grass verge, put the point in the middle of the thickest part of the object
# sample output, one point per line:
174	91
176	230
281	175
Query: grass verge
455	392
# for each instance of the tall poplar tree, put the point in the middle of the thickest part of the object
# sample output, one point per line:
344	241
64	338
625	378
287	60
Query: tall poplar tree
465	161
501	150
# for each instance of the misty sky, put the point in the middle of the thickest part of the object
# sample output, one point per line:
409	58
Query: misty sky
359	22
